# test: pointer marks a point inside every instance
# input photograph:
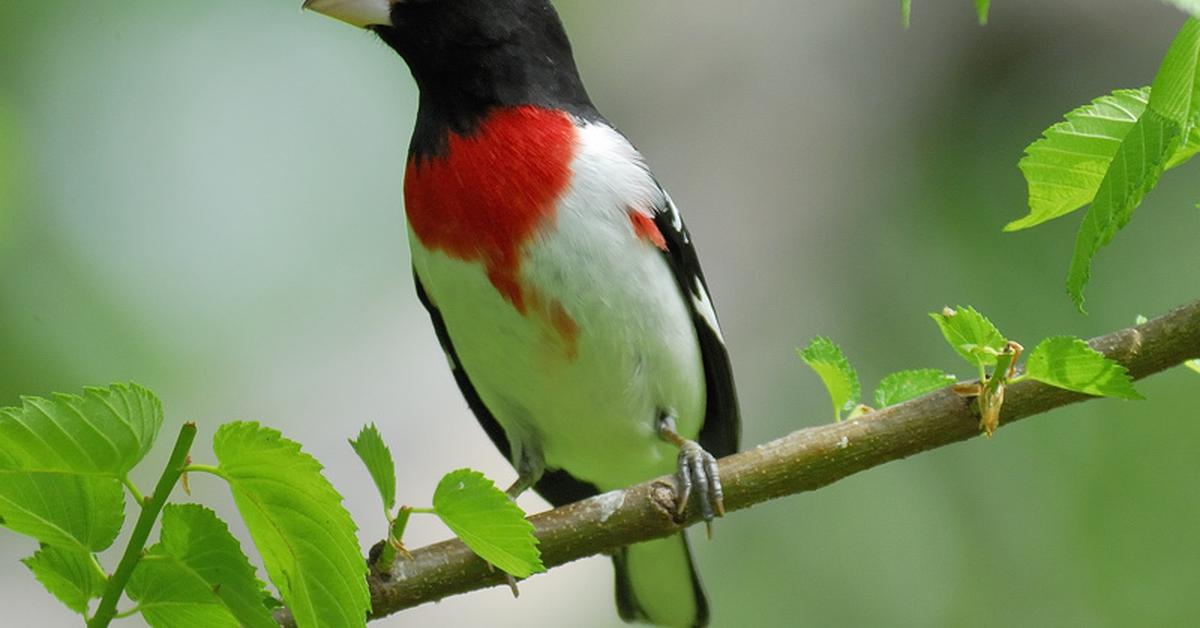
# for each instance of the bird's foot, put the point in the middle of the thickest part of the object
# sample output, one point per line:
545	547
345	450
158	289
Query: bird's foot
697	472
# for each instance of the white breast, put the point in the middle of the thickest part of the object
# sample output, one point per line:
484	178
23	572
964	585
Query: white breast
588	405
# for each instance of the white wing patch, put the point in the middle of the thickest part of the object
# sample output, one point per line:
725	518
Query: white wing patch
704	306
673	212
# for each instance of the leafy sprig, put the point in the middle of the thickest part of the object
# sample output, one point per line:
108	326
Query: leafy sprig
1062	361
306	538
479	513
64	469
1064	169
841	380
1112	152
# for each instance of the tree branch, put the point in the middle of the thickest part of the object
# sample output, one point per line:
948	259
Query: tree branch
801	461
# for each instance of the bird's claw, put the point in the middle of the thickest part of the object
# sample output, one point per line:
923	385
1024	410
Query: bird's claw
698	471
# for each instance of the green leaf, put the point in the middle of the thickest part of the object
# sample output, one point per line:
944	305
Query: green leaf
71	576
1189	146
1068	362
1176	90
77	512
1135	170
971	334
904	385
60	460
981	9
1065	167
1143	155
834	369
375	454
906	13
198	564
1189	6
105	432
488	522
170	595
1193	364
297	521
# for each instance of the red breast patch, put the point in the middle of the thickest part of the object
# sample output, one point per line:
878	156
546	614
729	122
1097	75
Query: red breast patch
493	190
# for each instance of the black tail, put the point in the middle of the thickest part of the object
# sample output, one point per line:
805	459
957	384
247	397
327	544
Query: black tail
657	583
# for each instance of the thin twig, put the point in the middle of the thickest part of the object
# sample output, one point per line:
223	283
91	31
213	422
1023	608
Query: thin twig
151	507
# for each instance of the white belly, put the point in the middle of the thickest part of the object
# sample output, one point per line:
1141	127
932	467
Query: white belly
588	402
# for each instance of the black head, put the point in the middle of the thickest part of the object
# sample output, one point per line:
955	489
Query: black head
470	56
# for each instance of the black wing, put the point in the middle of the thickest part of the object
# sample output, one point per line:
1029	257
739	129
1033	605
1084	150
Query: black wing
722	423
558	487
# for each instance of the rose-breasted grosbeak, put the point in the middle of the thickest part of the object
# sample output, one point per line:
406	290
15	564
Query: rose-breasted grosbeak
561	281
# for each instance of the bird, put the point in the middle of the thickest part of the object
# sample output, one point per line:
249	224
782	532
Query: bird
560	279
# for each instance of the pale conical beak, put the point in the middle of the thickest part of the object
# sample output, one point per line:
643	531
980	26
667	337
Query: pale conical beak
360	13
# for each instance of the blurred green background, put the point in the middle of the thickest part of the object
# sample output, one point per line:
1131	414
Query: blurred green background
205	197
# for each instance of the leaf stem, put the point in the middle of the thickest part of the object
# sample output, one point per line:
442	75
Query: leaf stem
133	490
423	511
396	526
128	613
206	468
98	567
151	508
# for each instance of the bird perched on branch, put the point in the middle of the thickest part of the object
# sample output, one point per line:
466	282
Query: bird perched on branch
559	276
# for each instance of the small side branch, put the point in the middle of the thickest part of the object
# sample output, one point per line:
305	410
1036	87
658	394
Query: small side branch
151	507
802	461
